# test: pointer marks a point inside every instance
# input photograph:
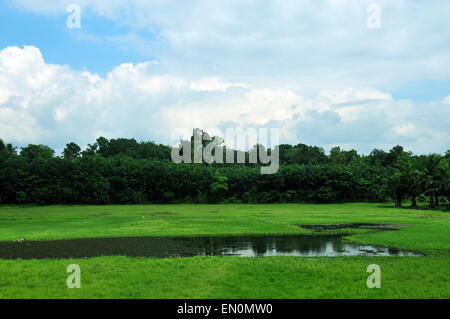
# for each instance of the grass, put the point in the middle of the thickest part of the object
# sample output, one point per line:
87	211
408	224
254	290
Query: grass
426	231
227	277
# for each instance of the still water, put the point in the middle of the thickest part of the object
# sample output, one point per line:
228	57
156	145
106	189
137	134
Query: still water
160	247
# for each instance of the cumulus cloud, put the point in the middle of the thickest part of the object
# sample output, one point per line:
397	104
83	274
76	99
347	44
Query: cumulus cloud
308	44
213	84
54	104
405	130
446	100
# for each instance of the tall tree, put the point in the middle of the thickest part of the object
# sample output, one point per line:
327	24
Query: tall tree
431	176
32	152
71	151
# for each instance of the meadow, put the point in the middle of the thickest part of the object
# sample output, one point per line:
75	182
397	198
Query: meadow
422	230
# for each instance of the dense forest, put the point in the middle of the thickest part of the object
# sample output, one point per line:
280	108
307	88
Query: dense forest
126	171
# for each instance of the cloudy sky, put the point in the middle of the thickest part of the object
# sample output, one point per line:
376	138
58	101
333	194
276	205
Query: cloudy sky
323	71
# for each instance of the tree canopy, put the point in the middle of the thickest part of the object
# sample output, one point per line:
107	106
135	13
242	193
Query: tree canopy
126	171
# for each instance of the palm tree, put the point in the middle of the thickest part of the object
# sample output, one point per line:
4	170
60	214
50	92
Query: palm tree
443	177
416	183
432	178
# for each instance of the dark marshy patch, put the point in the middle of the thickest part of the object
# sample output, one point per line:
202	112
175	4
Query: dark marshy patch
158	213
434	217
325	227
161	247
100	214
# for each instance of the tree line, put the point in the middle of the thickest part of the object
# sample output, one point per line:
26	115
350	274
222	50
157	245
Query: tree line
126	171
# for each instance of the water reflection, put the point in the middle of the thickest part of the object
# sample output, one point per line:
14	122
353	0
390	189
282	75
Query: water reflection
245	246
305	246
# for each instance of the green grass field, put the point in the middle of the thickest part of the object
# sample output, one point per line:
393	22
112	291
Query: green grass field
426	231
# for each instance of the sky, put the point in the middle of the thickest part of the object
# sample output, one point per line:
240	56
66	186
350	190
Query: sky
352	73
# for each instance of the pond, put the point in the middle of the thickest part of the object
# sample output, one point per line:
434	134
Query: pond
160	247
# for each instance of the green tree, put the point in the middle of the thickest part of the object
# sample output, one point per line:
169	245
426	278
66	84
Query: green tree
443	171
431	177
71	151
402	171
32	152
416	183
219	186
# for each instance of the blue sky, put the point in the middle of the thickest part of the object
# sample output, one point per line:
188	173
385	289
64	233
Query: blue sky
61	45
143	69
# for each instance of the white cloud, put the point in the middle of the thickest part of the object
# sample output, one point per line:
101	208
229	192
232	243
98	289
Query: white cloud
307	44
4	95
212	84
405	130
446	100
53	104
18	126
354	95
